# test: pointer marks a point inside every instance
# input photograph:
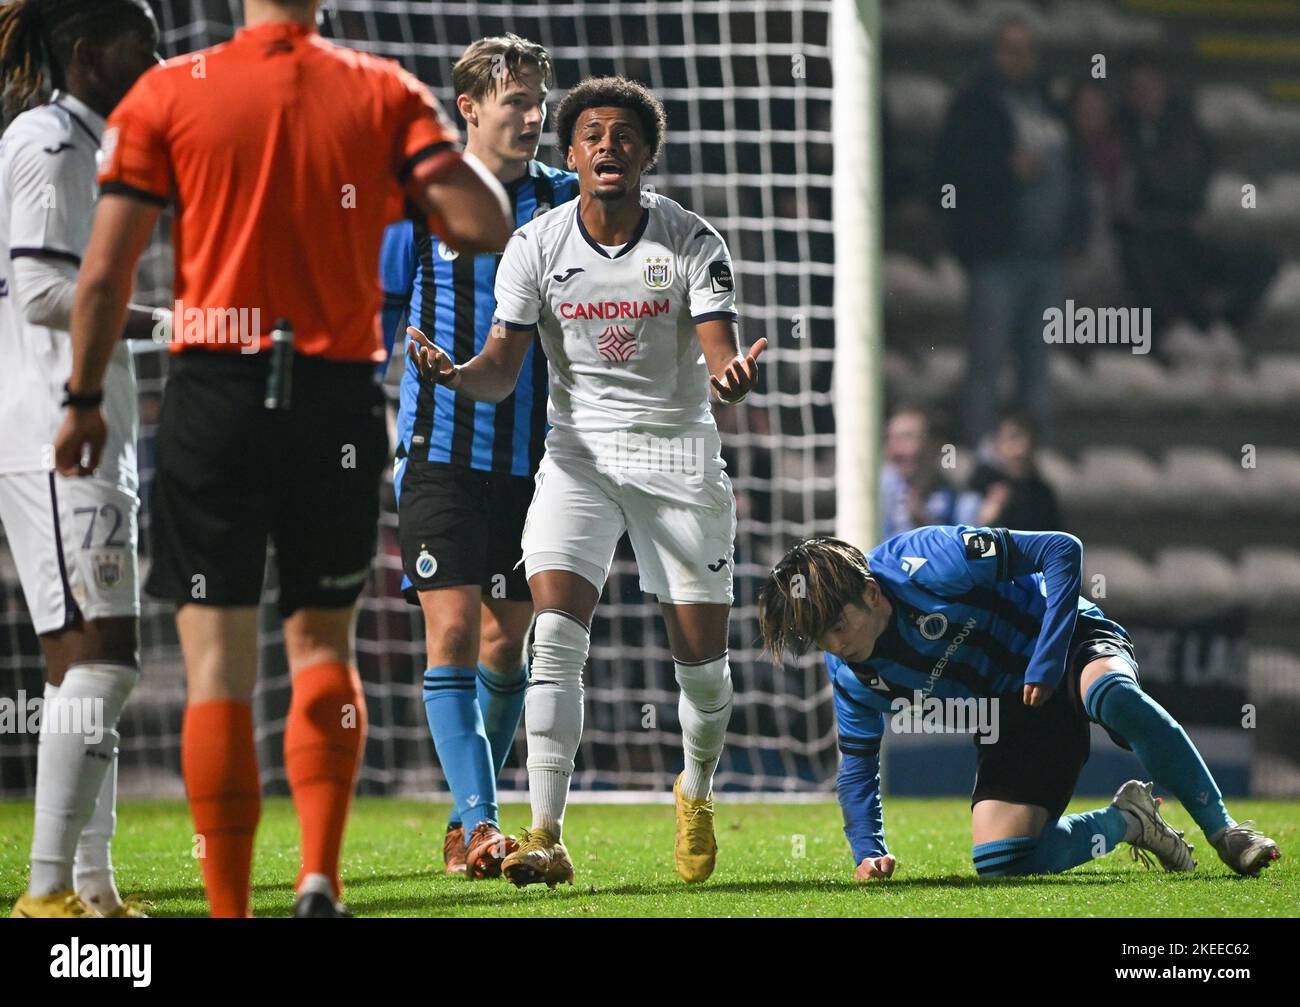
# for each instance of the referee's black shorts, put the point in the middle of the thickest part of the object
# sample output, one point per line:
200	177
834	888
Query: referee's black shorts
232	474
459	526
1040	751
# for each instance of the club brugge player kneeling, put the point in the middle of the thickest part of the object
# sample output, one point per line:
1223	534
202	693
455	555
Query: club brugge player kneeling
960	612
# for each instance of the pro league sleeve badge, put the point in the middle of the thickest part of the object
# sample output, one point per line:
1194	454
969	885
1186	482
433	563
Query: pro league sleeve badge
720	279
979	544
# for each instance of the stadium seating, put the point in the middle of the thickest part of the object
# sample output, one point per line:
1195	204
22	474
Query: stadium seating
1181	476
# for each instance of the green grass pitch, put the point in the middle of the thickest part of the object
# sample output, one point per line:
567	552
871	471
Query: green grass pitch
774	860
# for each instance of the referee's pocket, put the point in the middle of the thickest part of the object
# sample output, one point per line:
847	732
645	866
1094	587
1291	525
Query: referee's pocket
351	434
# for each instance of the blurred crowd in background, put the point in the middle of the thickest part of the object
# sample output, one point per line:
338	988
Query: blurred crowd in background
1053	187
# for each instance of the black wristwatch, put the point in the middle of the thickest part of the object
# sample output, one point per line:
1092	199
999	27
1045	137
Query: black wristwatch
82	400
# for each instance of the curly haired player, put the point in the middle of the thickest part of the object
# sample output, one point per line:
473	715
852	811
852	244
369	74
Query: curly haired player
634	300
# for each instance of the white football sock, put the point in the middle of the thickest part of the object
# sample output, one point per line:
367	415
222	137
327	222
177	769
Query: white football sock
93	871
553	713
45	878
71	764
704	711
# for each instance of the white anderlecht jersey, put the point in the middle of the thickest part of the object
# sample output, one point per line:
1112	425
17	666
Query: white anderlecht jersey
47	205
619	330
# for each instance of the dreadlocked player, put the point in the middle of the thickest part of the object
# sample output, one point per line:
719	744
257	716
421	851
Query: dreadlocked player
73	540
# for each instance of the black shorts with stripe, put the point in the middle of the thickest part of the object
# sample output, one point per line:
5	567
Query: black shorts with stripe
459	526
233	475
1040	751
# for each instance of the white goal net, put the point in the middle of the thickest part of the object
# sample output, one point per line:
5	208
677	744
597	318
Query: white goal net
747	85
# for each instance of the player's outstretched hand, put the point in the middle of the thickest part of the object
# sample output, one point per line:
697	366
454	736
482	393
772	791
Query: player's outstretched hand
1037	695
431	363
875	867
82	429
740	376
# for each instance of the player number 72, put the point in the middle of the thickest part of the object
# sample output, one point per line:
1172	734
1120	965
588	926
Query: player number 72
110	540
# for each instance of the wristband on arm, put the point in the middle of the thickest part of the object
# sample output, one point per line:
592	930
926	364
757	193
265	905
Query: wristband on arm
81	400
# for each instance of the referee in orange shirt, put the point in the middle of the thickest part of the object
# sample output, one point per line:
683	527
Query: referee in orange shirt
285	156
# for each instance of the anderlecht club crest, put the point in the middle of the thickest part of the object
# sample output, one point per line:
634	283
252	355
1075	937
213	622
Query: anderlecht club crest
658	271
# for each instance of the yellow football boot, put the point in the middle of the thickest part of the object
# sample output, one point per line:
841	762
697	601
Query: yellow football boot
540	859
696	849
133	907
64	905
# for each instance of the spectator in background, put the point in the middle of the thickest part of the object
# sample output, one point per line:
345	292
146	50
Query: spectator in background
1094	276
1096	135
1020	204
913	490
1199	286
1007	490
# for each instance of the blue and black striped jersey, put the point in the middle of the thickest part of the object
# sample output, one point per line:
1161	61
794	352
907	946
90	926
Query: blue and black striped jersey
977	612
450	298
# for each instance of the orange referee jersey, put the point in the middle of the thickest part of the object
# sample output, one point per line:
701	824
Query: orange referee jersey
286	156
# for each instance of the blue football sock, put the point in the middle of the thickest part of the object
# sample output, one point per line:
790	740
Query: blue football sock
1002	857
451	705
501	700
1117	702
1064	843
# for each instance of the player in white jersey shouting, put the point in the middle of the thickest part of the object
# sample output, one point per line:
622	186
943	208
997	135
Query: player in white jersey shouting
634	300
73	540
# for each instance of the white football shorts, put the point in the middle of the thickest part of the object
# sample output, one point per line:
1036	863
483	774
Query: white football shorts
681	523
74	543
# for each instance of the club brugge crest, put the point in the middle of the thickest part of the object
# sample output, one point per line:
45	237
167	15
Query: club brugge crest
658	271
541	208
425	565
933	626
108	569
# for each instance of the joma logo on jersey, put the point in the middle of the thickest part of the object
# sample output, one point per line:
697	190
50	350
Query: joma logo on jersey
658	272
617	343
615	309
